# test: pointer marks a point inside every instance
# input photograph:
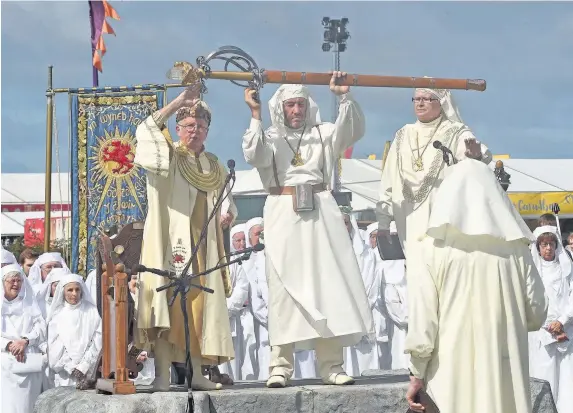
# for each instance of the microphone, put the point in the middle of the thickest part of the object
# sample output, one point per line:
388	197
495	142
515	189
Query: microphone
142	268
231	166
254	248
445	151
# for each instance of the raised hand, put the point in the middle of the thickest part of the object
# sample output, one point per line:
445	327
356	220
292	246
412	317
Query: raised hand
473	149
338	89
190	96
250	99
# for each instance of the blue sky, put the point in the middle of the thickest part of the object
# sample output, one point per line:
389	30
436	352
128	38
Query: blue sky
523	50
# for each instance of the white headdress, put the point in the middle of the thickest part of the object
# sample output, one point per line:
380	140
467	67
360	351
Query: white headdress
76	324
286	92
8	257
449	107
25	302
560	254
471	201
235	230
59	301
371	228
35	275
250	224
43	290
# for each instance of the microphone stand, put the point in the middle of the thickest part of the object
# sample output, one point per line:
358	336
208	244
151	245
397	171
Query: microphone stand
183	284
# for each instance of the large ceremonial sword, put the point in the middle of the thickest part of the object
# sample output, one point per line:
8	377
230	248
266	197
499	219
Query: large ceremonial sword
250	75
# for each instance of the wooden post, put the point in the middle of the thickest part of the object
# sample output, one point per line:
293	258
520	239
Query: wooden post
115	274
122	384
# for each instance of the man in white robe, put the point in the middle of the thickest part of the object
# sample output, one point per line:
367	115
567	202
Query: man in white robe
381	322
414	169
364	355
477	295
395	296
316	295
550	349
183	182
259	295
23	333
42	267
236	304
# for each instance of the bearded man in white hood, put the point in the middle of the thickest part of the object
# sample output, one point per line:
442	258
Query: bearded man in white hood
316	294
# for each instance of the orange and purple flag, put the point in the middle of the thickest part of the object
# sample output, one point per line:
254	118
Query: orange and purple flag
99	11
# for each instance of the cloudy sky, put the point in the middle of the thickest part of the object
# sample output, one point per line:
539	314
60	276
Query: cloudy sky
523	50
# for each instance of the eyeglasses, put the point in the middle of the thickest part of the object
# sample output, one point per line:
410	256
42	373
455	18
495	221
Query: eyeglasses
547	245
425	100
13	280
193	126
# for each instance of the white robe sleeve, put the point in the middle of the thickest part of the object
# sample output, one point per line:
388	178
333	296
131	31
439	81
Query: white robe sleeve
58	357
384	207
536	300
258	303
240	293
423	307
92	353
461	149
567	318
350	125
396	308
371	279
256	150
38	335
4	343
152	151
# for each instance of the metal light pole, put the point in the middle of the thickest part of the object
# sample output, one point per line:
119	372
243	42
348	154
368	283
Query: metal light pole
335	37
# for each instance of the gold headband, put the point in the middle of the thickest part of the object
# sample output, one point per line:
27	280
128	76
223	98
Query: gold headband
199	111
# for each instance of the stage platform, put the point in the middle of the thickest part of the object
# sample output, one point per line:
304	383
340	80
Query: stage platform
375	392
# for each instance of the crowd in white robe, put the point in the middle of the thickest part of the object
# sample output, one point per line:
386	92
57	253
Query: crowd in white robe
50	340
51	330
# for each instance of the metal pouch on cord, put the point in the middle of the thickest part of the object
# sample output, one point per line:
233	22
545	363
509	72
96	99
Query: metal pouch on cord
303	198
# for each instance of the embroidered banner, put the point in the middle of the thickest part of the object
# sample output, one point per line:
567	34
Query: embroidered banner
107	188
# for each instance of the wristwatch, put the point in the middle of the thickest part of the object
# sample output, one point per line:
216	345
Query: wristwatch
27	340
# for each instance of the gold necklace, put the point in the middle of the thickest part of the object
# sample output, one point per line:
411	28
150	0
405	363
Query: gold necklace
418	163
206	182
297	159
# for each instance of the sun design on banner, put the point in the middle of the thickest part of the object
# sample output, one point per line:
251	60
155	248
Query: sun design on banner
113	165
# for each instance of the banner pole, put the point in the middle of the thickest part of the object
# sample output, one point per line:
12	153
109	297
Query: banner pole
48	177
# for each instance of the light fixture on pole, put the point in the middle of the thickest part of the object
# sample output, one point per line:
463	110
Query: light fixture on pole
335	37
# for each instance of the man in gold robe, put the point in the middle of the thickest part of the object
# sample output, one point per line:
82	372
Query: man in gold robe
183	183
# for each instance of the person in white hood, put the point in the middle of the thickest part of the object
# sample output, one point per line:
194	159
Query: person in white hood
476	295
23	333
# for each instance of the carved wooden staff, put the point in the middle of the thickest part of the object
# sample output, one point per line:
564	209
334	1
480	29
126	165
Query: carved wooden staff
114	275
254	77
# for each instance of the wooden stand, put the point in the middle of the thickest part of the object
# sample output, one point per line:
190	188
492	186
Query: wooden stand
115	379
